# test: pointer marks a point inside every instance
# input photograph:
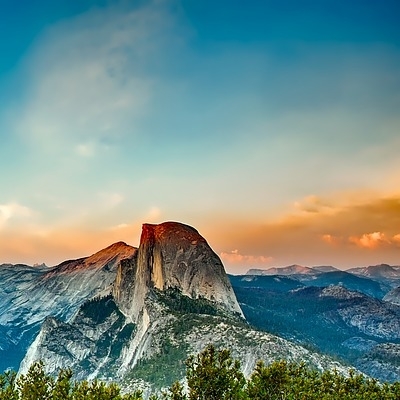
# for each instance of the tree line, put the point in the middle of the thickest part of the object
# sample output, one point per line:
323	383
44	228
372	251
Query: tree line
211	375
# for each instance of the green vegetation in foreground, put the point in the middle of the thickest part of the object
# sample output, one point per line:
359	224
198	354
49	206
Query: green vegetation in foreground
37	385
211	375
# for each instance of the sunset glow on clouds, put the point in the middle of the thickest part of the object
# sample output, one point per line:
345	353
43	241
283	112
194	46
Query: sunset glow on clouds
237	259
367	240
370	240
272	129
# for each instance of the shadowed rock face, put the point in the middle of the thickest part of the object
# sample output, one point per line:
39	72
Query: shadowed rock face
393	296
30	294
173	255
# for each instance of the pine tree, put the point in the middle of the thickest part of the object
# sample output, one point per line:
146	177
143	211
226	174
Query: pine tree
214	375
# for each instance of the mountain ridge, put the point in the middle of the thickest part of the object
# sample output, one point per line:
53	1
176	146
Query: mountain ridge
170	298
122	310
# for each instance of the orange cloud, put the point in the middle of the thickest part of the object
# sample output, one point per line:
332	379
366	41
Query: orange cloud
331	239
396	239
319	235
370	240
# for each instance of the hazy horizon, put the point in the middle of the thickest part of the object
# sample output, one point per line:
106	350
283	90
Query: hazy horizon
239	270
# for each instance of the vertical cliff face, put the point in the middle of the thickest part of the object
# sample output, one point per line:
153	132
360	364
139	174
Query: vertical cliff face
174	255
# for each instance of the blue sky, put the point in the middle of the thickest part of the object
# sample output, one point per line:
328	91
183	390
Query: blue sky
271	127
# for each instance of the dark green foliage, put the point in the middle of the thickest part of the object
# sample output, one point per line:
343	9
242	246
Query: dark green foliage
7	386
214	375
98	309
178	302
37	385
176	392
62	386
281	380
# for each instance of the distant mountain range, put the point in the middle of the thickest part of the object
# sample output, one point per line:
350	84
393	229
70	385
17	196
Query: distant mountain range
353	314
291	269
382	272
376	280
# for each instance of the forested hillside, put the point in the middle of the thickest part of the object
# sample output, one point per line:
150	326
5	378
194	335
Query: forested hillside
213	375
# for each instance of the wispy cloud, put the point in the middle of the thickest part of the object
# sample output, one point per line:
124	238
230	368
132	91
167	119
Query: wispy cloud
362	230
110	200
87	78
331	239
314	204
85	149
235	259
122	225
153	215
10	211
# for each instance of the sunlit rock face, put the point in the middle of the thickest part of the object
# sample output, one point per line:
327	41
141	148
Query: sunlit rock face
173	255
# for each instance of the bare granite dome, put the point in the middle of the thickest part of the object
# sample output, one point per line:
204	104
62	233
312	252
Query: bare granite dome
173	255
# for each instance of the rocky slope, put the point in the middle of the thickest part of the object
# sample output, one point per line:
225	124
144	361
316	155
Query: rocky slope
173	255
388	274
393	296
337	321
29	294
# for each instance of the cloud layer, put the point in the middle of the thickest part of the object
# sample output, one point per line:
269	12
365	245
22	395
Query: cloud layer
354	232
